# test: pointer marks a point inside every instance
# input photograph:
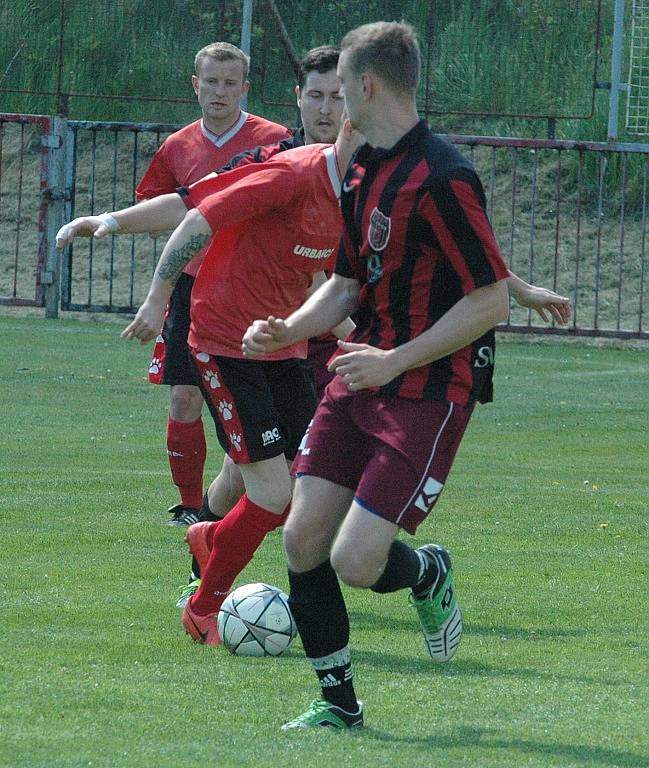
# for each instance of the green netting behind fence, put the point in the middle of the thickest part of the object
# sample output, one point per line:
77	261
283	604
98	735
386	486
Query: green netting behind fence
530	57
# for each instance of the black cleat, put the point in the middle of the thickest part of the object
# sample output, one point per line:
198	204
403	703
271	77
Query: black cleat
181	515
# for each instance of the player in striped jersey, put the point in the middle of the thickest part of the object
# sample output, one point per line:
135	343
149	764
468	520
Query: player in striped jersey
420	266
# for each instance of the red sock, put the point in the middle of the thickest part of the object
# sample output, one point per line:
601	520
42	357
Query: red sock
235	541
187	451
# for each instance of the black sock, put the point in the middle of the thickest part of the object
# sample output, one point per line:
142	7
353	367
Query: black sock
402	569
320	613
205	514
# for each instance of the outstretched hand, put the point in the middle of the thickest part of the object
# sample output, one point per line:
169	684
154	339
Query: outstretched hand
146	324
265	336
545	301
85	226
363	366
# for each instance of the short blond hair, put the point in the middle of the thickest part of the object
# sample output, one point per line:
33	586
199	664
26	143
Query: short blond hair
222	52
388	49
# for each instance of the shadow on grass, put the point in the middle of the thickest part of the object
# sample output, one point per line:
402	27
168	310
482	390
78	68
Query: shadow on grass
465	667
364	619
482	737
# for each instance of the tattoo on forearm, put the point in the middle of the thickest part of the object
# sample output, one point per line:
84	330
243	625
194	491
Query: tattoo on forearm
177	258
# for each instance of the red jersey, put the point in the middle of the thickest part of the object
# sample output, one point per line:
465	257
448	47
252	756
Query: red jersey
283	225
194	151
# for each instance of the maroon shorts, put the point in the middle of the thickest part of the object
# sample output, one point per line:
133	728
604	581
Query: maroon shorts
320	351
393	452
260	408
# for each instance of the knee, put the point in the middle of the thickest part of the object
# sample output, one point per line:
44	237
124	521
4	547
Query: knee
186	403
305	548
295	540
230	478
274	496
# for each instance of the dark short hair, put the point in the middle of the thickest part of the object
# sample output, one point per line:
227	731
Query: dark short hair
388	49
321	59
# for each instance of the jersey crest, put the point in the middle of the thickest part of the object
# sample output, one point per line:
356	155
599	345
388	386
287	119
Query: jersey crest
378	232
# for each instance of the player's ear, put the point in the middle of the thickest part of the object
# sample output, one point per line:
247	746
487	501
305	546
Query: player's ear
245	88
195	84
368	86
297	95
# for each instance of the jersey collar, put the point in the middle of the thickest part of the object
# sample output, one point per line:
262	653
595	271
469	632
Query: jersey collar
220	139
415	136
332	168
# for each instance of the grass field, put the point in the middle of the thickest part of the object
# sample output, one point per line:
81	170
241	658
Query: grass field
546	513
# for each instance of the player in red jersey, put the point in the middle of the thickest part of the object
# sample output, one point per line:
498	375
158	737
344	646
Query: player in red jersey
419	264
274	228
320	104
186	156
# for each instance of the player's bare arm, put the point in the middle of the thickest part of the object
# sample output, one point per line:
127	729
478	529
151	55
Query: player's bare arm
159	214
326	309
185	242
543	300
364	366
342	330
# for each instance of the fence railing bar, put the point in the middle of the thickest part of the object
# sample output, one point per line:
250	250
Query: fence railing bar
621	250
548	330
2	132
512	227
508	142
600	214
557	223
530	274
19	212
134	178
492	182
93	189
575	295
111	268
643	242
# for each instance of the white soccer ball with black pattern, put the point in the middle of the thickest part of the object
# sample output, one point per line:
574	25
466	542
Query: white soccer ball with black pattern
255	620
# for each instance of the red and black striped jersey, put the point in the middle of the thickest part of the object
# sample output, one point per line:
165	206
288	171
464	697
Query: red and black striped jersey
417	238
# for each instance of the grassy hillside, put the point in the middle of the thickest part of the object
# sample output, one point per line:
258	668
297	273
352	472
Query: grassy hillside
527	57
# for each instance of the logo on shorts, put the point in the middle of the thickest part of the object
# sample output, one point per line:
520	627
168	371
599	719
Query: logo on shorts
304	451
429	493
270	436
378	233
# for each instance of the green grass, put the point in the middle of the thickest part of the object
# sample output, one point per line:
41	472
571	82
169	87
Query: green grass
546	513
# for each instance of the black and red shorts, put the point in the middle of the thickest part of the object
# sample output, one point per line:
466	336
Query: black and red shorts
261	408
171	362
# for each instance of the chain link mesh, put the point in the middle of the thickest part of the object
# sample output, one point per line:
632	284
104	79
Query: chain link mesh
637	109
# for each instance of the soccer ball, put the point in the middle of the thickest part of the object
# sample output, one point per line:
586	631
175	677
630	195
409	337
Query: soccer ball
255	620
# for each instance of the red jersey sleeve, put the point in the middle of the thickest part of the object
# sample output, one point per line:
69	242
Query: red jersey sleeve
455	212
158	178
243	193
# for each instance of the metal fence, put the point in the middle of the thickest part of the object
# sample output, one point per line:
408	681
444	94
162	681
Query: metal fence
103	164
572	216
24	195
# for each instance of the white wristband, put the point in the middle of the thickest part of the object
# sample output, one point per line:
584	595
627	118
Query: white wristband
110	222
